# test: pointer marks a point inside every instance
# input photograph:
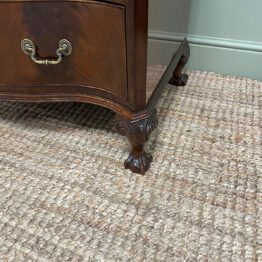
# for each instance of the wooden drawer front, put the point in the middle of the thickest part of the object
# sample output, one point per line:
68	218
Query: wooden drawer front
96	31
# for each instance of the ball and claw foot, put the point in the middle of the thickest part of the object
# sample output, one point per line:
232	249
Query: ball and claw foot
139	164
178	78
179	81
138	133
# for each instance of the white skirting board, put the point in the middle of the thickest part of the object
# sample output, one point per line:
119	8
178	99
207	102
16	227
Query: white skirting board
224	56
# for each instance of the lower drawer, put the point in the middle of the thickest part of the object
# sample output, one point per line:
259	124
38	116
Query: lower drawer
96	31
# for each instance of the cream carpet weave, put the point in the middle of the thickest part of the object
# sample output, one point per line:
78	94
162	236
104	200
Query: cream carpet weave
64	195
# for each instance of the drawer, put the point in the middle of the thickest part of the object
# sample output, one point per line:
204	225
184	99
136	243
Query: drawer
96	31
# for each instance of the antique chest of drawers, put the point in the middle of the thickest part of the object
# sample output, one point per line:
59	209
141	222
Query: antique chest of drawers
86	51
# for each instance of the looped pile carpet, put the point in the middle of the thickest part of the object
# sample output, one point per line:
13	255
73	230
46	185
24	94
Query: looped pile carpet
64	195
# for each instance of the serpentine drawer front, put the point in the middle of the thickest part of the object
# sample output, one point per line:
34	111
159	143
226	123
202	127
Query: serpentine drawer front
95	30
91	51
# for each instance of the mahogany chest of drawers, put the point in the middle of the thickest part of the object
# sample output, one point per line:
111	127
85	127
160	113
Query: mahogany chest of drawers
86	51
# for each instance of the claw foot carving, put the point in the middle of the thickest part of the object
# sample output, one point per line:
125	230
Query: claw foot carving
179	81
178	78
138	163
138	132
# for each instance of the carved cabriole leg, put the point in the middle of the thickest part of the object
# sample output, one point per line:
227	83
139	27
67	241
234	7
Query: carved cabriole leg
138	133
180	79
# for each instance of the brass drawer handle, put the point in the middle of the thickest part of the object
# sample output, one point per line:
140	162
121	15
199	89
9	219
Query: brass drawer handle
65	48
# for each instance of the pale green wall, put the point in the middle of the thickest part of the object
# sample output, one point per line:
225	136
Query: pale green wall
225	35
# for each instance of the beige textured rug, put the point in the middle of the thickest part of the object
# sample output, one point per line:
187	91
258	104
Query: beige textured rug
64	195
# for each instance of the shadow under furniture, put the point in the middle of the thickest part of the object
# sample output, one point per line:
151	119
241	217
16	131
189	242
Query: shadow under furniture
88	51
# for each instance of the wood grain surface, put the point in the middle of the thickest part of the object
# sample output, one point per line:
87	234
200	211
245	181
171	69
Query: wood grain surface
96	31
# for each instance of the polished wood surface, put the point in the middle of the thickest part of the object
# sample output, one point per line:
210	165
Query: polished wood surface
108	65
96	31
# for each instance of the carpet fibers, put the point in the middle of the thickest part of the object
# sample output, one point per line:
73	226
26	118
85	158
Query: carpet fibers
64	195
